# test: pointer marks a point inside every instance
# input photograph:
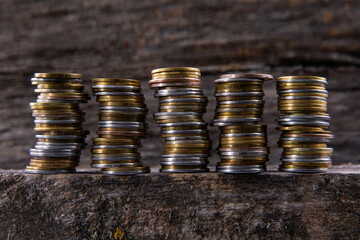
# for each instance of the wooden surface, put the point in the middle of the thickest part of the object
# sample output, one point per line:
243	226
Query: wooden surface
272	205
129	38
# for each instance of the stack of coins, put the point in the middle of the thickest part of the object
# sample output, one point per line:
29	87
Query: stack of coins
243	141
181	107
304	123
121	126
58	123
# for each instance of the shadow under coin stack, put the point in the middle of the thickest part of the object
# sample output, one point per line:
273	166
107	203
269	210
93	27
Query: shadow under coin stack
58	123
243	141
181	108
304	123
121	126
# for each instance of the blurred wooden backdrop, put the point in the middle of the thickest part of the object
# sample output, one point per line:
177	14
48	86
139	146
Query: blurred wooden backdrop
129	38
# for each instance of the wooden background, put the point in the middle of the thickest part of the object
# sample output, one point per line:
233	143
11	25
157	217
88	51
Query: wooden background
129	38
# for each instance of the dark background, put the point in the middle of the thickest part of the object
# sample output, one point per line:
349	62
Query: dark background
128	39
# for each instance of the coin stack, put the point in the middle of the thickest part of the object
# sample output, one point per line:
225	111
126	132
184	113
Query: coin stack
304	123
243	140
121	126
58	123
181	107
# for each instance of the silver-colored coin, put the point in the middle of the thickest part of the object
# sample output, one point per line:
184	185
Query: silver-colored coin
241	169
230	135
302	91
243	153
184	131
182	93
125	173
193	170
286	156
113	158
318	81
62	121
118	94
60	137
303	123
60	80
115	146
241	102
114	165
135	109
183	163
182	124
226	80
170	100
50	172
305	139
185	138
306	160
303	117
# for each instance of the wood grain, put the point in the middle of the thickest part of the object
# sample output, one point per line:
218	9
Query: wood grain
129	38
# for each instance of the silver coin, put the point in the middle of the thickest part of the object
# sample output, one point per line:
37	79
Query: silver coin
44	147
241	102
136	109
304	123
189	142
286	156
57	79
193	170
185	138
114	165
113	158
118	94
184	131
182	93
62	121
182	124
60	137
302	117
125	173
243	153
249	157
115	146
230	135
170	100
250	94
102	123
226	121
302	91
305	139
241	169
183	163
306	160
225	80
292	80
50	172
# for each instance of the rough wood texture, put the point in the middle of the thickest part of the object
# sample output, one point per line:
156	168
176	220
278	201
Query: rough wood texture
129	38
186	206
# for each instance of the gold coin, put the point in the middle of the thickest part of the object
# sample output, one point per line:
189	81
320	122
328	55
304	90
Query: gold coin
58	75
175	69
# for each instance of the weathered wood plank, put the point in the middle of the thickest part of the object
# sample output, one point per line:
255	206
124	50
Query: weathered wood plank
185	206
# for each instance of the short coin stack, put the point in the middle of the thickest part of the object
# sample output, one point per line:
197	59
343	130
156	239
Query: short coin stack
243	141
304	123
181	108
121	126
58	123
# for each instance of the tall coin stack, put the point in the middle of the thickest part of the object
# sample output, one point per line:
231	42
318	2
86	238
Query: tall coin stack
58	123
243	140
304	123
121	126
181	107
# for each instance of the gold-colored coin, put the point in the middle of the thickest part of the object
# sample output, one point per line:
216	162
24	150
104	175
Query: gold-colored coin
58	75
